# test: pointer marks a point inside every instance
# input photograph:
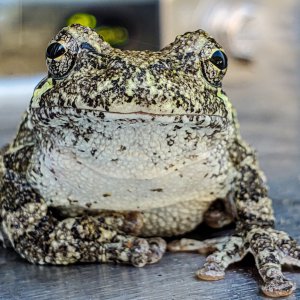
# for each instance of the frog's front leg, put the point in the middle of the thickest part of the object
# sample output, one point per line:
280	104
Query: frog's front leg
255	231
40	238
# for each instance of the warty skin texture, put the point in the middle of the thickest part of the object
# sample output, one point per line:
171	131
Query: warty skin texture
119	146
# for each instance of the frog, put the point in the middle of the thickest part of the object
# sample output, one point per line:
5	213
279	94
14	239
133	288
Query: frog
120	149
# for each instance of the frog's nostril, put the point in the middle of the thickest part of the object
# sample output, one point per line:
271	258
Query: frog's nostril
55	50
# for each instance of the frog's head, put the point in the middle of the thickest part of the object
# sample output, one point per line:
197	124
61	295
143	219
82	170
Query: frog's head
91	84
85	73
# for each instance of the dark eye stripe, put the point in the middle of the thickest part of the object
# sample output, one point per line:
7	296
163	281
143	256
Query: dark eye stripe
219	59
55	50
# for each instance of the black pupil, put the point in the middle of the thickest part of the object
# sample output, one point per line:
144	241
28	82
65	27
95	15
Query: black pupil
219	59
55	50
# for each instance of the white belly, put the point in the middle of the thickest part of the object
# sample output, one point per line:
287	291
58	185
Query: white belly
139	166
69	182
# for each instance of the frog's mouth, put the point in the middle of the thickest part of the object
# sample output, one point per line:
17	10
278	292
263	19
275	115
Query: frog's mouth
58	115
195	119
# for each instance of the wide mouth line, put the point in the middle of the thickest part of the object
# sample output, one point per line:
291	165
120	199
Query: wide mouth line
132	113
154	114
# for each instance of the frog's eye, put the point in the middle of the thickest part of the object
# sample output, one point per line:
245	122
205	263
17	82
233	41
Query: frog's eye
219	59
61	58
214	65
55	50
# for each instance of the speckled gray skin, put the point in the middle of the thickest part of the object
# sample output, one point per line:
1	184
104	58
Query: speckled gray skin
119	146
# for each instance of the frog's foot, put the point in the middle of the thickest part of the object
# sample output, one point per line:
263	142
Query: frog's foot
90	239
143	251
270	248
225	253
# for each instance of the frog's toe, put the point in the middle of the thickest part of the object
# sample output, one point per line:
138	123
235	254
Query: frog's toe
211	271
147	251
157	249
278	287
230	251
139	252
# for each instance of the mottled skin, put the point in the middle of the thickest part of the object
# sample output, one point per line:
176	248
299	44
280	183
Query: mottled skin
119	146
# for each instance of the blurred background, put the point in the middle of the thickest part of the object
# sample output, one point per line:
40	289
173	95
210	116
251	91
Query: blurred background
261	38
